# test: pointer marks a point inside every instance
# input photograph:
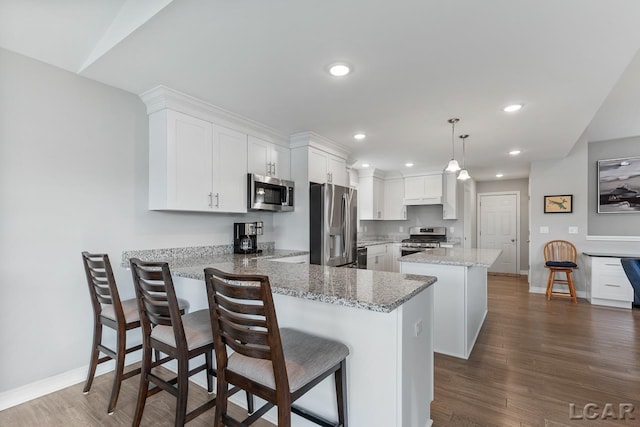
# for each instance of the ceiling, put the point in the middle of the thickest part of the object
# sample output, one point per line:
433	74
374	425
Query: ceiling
416	64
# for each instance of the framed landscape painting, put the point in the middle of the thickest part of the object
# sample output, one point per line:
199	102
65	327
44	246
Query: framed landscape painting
619	185
558	204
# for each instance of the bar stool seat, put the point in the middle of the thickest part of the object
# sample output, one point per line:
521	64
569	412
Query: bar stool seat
306	356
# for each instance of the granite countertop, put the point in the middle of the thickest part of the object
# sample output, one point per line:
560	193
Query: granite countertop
468	257
365	289
371	241
611	255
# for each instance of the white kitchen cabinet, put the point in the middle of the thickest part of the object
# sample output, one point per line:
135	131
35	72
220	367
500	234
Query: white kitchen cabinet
423	190
370	198
394	208
195	165
607	283
393	256
265	158
327	168
449	196
377	257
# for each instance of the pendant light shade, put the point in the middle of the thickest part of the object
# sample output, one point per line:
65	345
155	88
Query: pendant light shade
464	174
453	165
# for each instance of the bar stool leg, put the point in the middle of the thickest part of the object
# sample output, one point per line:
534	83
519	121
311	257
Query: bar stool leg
550	284
95	352
572	289
119	370
341	393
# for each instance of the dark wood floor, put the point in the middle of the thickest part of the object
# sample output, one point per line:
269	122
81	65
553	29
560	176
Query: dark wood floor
532	359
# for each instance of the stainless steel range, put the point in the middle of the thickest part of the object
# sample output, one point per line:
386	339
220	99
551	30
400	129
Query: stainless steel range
422	238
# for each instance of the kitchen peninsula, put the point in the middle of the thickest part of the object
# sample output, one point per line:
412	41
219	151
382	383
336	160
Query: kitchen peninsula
386	320
460	294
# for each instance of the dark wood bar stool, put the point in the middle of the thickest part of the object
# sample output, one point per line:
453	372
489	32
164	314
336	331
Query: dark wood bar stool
110	311
278	365
180	337
560	256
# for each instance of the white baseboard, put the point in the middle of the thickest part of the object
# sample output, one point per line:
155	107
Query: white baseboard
540	290
48	385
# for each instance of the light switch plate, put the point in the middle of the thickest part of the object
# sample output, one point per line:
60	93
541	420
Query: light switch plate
451	230
544	230
401	229
417	328
573	230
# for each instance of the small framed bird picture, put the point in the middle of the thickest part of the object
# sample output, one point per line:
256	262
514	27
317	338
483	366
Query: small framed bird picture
558	204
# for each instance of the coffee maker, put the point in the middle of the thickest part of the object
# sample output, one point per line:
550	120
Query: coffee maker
245	237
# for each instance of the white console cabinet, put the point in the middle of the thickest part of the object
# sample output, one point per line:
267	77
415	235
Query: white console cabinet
607	283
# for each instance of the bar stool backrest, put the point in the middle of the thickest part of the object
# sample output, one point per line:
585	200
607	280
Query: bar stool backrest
560	250
102	284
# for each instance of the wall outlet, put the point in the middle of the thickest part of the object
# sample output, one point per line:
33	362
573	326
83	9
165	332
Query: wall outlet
417	328
401	229
573	230
544	230
365	228
452	230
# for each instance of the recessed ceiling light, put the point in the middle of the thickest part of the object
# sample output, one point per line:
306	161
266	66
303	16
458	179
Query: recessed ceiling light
514	152
339	69
359	136
408	164
499	175
512	108
365	165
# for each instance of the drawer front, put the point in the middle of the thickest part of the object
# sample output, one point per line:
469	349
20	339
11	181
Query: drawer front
612	285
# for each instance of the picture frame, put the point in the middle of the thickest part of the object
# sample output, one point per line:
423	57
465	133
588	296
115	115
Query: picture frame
619	185
558	203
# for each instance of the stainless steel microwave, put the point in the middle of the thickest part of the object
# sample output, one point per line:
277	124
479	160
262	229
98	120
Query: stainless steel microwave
265	193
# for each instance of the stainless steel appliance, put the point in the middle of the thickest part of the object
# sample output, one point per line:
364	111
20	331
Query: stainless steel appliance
333	226
245	237
421	238
265	193
362	258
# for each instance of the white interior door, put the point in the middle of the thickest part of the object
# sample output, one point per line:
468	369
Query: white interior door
499	229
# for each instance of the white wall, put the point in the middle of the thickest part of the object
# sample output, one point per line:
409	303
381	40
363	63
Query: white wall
566	176
73	177
428	215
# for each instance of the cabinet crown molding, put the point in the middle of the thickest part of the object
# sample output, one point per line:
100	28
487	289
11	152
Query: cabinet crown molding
312	139
162	97
376	173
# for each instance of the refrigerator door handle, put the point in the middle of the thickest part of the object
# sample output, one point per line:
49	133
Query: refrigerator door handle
345	230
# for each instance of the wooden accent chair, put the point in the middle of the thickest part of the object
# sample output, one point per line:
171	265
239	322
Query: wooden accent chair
110	311
180	337
278	365
560	256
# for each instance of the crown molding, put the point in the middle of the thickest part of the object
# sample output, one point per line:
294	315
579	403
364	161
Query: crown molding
312	139
372	172
162	97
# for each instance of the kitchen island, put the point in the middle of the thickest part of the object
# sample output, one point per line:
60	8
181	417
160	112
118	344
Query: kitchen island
384	318
460	294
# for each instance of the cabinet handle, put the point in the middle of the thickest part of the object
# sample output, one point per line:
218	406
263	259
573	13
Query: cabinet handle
612	286
210	200
217	200
274	168
614	265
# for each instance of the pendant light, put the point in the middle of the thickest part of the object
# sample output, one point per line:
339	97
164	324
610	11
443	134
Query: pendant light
464	174
453	165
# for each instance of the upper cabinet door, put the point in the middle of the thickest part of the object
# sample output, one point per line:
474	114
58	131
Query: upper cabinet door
281	162
394	208
318	166
338	171
181	158
268	159
259	161
230	173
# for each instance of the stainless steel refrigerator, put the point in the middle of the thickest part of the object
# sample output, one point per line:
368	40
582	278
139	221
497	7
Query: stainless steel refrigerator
333	225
